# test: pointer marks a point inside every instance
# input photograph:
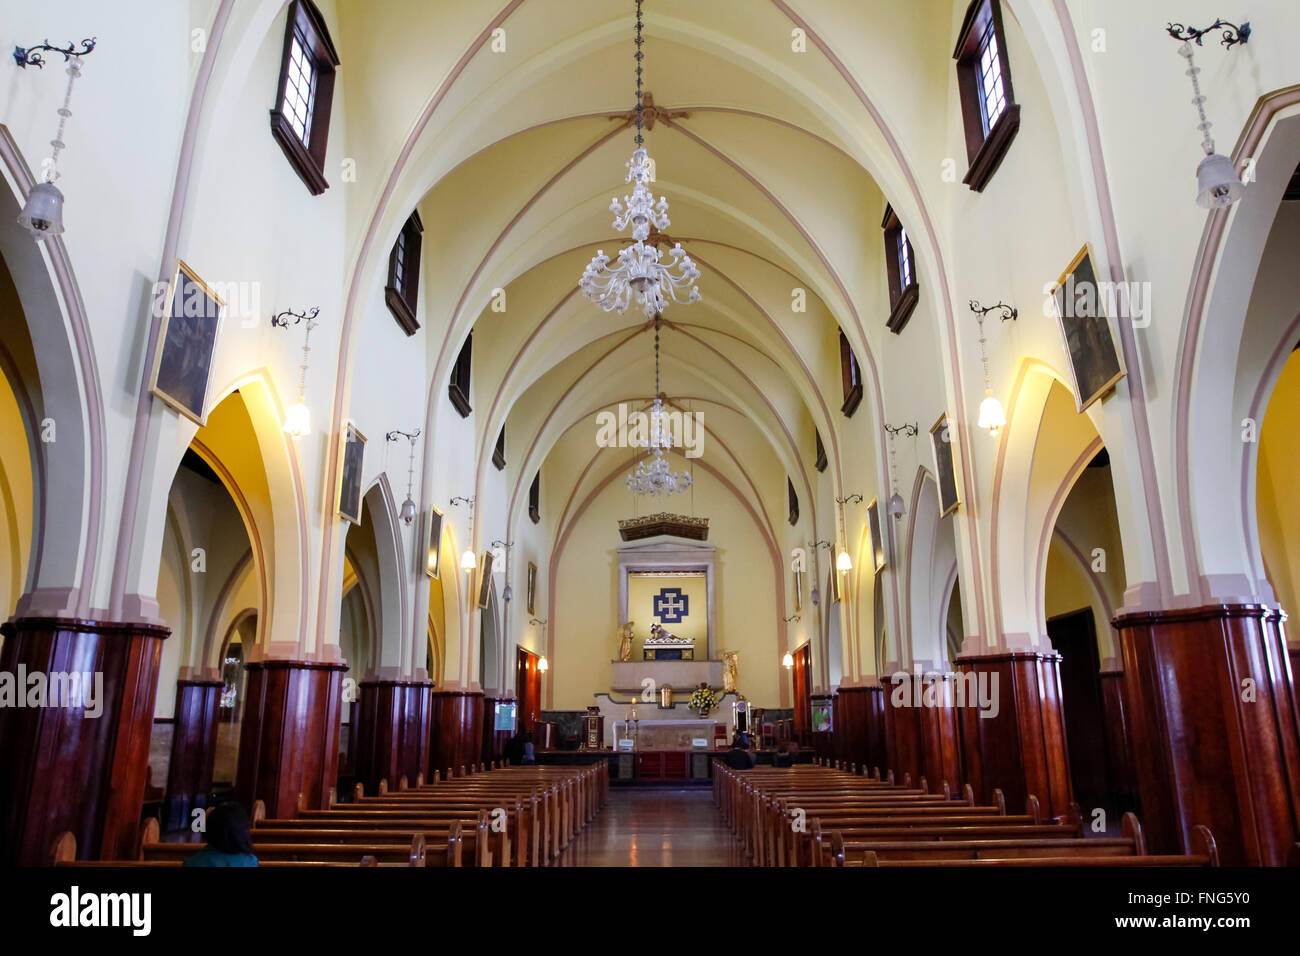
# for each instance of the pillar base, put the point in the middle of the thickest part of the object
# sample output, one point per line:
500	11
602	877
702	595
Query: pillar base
392	732
194	750
1020	748
289	739
1202	753
456	730
60	769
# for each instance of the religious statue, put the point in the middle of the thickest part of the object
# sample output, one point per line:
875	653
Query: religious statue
730	669
625	645
658	630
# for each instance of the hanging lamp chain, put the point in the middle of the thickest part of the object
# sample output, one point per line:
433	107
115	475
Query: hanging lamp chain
640	140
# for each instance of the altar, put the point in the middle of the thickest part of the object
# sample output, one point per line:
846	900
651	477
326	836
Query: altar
669	734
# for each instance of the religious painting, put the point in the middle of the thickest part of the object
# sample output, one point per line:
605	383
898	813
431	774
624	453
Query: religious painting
1079	303
353	456
798	590
433	548
822	715
532	588
877	538
182	372
941	438
484	579
670	604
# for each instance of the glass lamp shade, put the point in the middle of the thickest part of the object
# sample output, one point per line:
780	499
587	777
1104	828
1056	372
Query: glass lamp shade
1217	183
815	596
896	506
408	510
843	562
42	214
992	416
467	561
508	594
543	665
297	421
788	660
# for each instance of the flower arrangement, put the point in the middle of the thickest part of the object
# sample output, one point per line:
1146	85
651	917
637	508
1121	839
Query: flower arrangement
703	700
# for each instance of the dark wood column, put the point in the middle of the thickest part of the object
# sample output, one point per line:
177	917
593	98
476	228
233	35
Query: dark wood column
1119	747
456	730
1022	749
1214	729
860	725
903	741
494	741
391	732
940	736
289	740
194	750
62	769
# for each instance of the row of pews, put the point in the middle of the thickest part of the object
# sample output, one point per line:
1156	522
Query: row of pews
816	815
506	816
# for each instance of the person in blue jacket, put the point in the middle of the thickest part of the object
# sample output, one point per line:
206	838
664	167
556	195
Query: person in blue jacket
230	841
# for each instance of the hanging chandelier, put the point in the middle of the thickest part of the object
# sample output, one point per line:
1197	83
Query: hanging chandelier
653	475
640	273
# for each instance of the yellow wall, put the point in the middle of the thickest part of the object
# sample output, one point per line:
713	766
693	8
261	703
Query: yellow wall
1276	501
15	501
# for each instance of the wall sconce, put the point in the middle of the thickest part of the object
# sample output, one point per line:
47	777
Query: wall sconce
896	505
992	415
297	420
42	213
843	562
1217	182
543	665
540	622
467	560
787	661
507	593
791	618
408	506
814	594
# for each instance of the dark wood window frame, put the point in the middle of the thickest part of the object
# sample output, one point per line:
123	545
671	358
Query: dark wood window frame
820	463
535	499
458	387
984	151
794	500
902	297
851	374
402	292
307	159
499	452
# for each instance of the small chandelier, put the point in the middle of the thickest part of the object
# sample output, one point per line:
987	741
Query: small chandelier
992	416
640	273
407	513
896	506
654	476
297	420
42	213
1217	182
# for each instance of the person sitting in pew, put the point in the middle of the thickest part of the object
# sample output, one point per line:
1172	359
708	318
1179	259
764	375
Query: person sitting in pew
783	758
739	757
230	842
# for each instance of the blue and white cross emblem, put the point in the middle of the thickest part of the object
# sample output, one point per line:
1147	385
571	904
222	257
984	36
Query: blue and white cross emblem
671	606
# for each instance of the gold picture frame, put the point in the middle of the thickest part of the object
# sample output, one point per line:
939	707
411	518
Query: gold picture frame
532	588
433	546
352	454
187	346
945	469
1096	363
876	532
484	579
798	590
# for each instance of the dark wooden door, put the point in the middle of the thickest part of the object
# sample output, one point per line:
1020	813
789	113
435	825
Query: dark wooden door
528	689
802	707
1075	637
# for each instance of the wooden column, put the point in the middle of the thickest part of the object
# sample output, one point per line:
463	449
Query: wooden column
1022	749
855	724
903	739
455	738
391	732
1214	729
289	740
61	769
940	736
194	750
1119	746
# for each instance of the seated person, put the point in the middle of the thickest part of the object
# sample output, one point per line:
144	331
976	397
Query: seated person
784	757
230	842
739	757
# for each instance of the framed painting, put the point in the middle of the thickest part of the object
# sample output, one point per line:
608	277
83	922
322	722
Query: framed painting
532	588
1095	362
835	581
877	538
945	471
798	590
485	579
353	457
187	343
433	549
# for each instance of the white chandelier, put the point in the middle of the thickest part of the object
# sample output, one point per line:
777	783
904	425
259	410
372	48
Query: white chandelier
639	272
653	476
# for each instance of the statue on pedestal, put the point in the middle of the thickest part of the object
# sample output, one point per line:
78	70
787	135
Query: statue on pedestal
625	646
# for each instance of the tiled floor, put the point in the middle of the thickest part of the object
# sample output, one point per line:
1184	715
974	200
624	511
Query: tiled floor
657	826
